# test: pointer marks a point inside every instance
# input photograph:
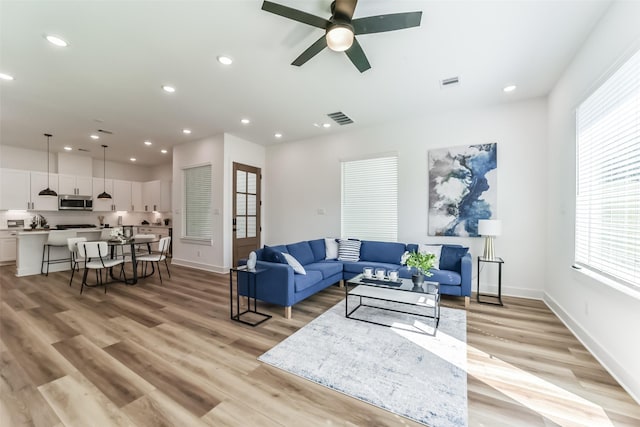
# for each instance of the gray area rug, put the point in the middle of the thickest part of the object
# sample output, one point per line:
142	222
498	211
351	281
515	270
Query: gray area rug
404	369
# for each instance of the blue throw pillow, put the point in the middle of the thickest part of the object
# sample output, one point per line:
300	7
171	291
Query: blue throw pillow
272	255
450	257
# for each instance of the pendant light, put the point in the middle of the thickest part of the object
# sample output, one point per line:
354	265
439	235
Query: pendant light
48	191
104	194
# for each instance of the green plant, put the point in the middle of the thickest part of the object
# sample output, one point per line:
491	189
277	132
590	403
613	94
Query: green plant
422	262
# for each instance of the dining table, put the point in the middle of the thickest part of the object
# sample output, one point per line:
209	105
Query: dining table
133	243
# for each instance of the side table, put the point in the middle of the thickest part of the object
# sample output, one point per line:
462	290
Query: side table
499	261
252	279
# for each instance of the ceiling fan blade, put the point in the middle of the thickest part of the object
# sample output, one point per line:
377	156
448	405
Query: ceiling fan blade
382	23
311	51
345	8
295	14
357	56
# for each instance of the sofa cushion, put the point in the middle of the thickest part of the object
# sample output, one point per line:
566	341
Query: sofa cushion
356	267
279	248
389	252
450	257
431	249
318	249
331	249
349	250
302	252
328	268
304	281
294	263
271	254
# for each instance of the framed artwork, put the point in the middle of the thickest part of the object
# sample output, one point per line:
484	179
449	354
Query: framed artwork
462	189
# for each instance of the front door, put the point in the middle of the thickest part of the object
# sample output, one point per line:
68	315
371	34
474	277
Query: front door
246	210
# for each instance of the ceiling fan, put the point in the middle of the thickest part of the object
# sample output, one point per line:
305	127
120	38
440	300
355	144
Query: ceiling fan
341	29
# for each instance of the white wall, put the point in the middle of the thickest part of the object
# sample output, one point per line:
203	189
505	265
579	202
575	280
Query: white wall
239	151
602	317
304	176
210	256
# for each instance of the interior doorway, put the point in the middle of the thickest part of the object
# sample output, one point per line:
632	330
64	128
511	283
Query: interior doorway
246	210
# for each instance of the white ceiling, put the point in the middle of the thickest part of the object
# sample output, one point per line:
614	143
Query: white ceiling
121	52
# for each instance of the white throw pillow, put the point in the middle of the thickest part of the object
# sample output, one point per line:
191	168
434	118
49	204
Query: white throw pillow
331	248
431	249
297	267
349	250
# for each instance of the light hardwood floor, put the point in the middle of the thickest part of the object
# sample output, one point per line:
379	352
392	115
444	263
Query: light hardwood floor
168	355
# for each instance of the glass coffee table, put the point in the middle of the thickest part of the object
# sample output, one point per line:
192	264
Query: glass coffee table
403	292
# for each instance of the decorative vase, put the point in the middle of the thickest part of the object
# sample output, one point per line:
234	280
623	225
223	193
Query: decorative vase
417	279
251	262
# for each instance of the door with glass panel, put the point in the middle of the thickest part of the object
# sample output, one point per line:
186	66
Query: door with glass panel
246	210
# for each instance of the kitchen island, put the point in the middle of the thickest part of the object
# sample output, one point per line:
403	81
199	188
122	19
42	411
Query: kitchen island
29	250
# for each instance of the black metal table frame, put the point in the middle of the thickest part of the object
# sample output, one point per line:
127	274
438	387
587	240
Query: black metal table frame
251	294
348	313
499	261
134	280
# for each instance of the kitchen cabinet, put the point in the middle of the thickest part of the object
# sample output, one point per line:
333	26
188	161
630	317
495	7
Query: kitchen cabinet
75	185
136	197
121	195
100	185
151	195
7	247
165	196
19	190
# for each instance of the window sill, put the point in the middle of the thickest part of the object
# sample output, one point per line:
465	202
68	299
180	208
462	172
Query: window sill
197	241
602	280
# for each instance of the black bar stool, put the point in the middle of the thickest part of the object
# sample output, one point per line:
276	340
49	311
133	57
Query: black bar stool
57	239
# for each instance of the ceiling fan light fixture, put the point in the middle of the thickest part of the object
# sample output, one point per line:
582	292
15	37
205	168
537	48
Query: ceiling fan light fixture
340	37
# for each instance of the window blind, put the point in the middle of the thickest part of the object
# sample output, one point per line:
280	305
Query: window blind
370	199
607	238
197	202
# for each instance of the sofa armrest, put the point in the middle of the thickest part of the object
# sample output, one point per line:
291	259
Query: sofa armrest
465	275
276	284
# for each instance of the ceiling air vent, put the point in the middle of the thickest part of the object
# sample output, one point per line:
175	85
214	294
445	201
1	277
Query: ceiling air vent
452	81
84	149
340	118
108	132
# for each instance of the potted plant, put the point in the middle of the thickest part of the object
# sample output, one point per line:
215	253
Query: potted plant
422	263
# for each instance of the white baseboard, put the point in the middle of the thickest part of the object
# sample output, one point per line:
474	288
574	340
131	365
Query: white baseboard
617	371
199	266
510	292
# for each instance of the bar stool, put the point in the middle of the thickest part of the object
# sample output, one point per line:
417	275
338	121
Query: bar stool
58	239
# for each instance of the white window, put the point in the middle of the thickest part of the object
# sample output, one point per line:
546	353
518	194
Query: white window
370	199
197	203
608	181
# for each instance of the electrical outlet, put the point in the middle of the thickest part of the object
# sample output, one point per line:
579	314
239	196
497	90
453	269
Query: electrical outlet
586	308
198	254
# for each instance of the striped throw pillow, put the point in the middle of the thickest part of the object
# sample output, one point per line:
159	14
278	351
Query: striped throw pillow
348	250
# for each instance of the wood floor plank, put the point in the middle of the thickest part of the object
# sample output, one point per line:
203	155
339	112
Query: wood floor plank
167	354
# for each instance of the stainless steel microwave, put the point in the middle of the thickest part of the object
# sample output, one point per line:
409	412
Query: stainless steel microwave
69	202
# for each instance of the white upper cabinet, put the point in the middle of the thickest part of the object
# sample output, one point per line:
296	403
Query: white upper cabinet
165	196
136	197
122	195
151	195
75	185
101	185
19	190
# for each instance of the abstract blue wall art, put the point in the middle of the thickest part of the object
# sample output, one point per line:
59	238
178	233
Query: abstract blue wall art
462	189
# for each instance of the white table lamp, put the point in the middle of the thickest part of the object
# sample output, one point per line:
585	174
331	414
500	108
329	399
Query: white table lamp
489	228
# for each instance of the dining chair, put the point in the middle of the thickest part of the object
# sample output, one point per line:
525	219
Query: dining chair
161	255
96	258
76	257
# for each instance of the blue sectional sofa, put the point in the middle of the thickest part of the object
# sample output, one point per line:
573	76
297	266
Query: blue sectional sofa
280	285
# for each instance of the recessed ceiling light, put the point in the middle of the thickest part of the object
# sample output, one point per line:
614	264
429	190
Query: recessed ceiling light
68	148
147	143
94	136
4	76
186	131
326	125
225	60
509	88
163	151
278	135
168	88
57	41
133	159
245	121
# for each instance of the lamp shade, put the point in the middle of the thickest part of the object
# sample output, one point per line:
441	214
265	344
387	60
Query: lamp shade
489	227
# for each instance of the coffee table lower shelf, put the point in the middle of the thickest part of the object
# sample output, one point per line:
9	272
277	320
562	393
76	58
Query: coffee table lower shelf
429	301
